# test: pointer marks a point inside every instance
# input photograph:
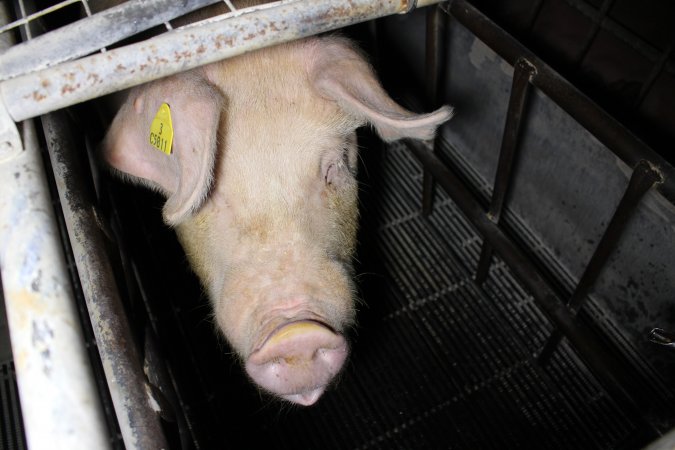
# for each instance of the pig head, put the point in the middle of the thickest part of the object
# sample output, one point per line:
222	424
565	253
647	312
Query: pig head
260	186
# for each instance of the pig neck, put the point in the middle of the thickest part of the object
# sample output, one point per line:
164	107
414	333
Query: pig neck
267	175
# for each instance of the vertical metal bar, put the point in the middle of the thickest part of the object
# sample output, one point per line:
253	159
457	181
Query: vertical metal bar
522	74
643	178
435	63
59	399
139	422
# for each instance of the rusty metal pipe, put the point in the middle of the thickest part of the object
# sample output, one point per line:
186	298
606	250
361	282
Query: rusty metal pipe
209	41
139	422
91	34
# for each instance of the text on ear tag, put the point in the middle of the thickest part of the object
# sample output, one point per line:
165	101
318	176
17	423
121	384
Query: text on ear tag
161	130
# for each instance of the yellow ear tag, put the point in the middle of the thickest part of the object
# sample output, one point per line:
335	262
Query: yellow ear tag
161	130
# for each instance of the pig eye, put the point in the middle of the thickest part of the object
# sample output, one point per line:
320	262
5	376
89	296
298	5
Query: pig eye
338	168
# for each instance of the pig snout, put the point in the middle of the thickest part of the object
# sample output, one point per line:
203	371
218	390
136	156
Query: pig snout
298	360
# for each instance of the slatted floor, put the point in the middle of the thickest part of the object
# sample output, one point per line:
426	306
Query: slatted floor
438	362
442	363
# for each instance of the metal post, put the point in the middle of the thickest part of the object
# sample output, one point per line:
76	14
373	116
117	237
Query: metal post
59	399
643	178
139	421
522	74
435	63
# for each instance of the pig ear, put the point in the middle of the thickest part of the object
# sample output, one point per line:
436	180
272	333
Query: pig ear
341	74
185	175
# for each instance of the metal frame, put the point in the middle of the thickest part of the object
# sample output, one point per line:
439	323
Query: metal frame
60	401
649	171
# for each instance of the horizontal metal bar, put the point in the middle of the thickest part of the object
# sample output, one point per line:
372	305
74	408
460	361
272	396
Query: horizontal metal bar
36	15
59	399
618	376
91	34
604	127
181	49
139	423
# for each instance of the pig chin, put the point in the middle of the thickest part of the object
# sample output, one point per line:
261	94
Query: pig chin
291	341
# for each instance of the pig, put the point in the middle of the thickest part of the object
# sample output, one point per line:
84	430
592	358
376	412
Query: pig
261	189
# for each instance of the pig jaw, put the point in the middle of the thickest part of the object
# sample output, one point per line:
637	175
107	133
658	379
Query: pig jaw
298	360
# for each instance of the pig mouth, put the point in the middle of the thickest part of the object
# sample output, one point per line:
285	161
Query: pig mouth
298	360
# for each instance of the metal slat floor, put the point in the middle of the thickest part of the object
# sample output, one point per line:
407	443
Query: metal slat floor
439	362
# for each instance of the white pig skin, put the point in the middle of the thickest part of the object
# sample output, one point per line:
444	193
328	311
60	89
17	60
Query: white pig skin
261	189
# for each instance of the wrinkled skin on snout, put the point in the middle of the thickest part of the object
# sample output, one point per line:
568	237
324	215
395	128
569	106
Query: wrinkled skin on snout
261	189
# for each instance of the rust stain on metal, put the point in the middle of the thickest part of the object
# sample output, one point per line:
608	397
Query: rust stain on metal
94	78
120	68
69	88
250	36
201	49
36	96
45	83
177	56
329	16
222	40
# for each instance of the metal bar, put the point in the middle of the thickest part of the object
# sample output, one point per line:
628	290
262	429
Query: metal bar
36	15
665	442
435	62
73	82
91	34
617	375
139	422
603	126
520	87
59	400
643	178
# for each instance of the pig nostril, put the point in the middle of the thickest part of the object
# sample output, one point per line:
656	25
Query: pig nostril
298	360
